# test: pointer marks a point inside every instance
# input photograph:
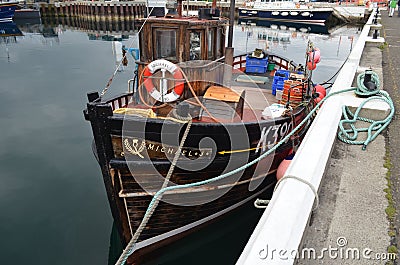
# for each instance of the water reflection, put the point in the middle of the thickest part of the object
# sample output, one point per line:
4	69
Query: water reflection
93	27
55	81
9	31
276	33
292	26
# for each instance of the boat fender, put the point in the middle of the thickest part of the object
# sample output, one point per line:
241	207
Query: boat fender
320	89
283	166
311	65
318	97
314	55
162	64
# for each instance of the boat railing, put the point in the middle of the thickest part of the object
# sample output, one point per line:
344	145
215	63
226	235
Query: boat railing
131	83
120	101
239	62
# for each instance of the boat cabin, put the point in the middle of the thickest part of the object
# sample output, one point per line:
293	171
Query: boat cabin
182	59
182	39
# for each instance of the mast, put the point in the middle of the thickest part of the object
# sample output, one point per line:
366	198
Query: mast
229	48
180	8
231	22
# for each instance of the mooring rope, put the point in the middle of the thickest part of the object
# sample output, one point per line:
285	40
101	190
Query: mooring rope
154	202
343	134
350	135
262	204
105	89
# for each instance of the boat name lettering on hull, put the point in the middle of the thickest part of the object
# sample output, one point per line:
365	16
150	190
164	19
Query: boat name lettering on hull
272	134
142	148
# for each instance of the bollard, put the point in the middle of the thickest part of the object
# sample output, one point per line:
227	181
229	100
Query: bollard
375	34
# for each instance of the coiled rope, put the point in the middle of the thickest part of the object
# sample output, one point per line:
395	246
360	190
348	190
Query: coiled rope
343	134
154	202
350	135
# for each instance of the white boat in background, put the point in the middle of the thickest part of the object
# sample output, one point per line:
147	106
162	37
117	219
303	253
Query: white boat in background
285	10
7	10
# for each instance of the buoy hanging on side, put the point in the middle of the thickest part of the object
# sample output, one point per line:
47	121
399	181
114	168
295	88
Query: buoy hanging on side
311	65
314	56
283	166
318	96
320	89
317	55
317	100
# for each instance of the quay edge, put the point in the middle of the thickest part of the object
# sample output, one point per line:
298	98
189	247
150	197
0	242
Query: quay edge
350	181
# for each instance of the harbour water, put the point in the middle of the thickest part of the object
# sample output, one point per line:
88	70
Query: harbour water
53	205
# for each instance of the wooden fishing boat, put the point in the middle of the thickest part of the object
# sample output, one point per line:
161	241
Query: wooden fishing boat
194	115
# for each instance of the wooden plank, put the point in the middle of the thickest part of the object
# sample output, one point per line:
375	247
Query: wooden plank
222	93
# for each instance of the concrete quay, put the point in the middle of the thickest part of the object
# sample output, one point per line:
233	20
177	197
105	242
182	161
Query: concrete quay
356	221
360	190
360	193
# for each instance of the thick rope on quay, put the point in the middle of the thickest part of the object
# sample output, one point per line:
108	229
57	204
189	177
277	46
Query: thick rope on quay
350	135
376	125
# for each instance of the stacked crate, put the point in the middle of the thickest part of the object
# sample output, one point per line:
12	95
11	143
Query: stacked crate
279	79
256	65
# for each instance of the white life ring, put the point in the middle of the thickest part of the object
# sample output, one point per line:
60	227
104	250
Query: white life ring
162	64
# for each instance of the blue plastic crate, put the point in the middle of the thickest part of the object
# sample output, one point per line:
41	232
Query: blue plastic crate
279	79
277	86
256	69
251	61
282	73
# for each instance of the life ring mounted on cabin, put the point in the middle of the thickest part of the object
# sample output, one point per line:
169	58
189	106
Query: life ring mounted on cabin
162	95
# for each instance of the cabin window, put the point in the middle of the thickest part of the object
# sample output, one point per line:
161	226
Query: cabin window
211	36
195	45
219	43
165	44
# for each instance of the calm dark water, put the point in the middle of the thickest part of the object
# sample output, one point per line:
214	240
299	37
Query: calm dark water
53	206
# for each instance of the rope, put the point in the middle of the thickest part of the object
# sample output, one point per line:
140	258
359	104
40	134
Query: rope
154	203
164	104
130	247
123	58
350	135
343	134
258	202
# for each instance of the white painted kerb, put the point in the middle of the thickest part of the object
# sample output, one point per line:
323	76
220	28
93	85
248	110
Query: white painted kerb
280	230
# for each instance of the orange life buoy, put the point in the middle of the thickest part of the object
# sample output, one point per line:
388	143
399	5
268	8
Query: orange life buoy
165	65
314	56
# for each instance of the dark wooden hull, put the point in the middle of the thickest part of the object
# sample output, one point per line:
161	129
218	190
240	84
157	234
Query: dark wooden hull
134	171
